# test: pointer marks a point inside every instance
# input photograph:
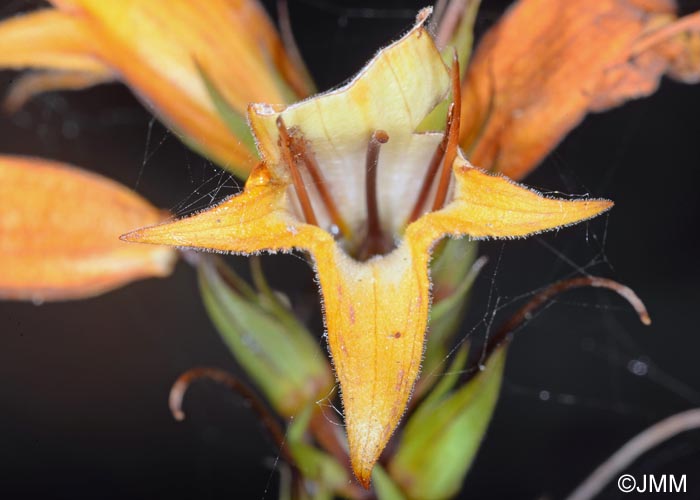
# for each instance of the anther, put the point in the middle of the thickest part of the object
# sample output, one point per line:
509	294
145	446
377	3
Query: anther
297	180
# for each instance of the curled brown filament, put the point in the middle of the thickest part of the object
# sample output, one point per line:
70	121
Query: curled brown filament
688	23
321	427
267	420
505	333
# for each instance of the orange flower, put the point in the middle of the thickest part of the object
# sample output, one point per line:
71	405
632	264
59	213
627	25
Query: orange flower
547	63
59	229
344	178
169	52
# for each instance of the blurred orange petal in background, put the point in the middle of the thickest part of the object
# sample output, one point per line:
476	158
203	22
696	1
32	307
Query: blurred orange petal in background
548	63
163	50
59	233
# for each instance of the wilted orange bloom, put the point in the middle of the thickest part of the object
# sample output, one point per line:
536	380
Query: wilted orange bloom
59	229
346	178
547	63
164	50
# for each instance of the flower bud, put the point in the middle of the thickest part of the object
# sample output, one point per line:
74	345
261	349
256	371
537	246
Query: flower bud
442	437
276	351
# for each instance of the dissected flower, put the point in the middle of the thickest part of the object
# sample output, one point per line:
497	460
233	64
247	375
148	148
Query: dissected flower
165	50
346	178
547	63
58	232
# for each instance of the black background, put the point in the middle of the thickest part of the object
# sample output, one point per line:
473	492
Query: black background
83	385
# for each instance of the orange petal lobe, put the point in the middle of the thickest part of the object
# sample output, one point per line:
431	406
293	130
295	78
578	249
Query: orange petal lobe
59	233
376	315
493	206
256	219
156	45
376	311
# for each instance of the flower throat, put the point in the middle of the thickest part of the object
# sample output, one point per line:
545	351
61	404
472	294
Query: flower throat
296	155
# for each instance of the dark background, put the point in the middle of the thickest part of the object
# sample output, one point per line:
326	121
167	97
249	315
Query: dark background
84	385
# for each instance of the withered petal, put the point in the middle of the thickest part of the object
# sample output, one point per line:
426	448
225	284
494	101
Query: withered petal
547	63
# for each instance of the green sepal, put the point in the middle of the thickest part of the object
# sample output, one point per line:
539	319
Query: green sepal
442	437
235	121
384	486
436	119
278	353
453	272
449	378
314	465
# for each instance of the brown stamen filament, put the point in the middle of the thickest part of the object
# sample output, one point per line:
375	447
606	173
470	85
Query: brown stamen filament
452	138
375	243
297	180
300	149
435	162
445	153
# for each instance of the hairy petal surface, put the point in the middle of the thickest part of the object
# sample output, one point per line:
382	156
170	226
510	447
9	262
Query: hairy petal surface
493	206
